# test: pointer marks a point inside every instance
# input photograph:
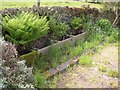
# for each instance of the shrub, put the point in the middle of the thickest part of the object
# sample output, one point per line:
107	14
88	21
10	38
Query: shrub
15	73
105	26
24	28
57	29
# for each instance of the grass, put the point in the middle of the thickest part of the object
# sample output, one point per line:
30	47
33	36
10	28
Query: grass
39	80
102	68
15	4
85	60
113	73
105	62
113	84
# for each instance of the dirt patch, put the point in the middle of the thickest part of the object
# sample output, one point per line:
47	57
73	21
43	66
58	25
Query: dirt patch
95	76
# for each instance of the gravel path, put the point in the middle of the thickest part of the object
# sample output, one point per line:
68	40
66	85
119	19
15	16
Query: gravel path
92	77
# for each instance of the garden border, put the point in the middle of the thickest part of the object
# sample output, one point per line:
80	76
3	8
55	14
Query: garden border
60	44
70	41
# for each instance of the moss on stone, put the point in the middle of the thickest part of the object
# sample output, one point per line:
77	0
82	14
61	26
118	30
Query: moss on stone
30	57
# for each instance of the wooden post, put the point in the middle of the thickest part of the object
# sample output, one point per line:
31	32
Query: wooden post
38	3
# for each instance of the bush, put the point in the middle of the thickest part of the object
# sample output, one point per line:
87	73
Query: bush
14	72
105	26
24	28
57	29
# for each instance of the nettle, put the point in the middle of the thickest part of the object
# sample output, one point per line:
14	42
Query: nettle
57	28
24	28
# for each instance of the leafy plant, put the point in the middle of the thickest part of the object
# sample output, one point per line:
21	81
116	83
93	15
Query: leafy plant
76	23
57	29
105	26
24	28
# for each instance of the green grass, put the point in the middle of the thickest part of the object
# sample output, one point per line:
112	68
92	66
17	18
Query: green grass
113	73
102	68
14	4
39	80
85	60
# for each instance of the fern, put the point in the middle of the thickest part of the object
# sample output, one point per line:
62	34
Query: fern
24	28
77	23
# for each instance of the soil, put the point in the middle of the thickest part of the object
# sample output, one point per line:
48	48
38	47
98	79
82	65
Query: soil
80	76
62	38
76	32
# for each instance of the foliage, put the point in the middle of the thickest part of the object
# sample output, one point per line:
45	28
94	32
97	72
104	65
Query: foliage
105	26
56	56
114	35
15	73
90	29
85	60
100	30
24	28
39	80
57	29
30	57
102	68
113	73
77	23
115	7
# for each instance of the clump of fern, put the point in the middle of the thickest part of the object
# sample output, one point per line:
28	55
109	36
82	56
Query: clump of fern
24	28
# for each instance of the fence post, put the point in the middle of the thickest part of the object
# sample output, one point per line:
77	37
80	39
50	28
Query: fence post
38	3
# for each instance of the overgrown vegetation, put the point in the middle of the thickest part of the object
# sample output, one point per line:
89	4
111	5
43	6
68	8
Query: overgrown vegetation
27	27
95	35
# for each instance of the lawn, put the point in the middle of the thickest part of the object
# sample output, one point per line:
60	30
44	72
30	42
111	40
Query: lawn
15	3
